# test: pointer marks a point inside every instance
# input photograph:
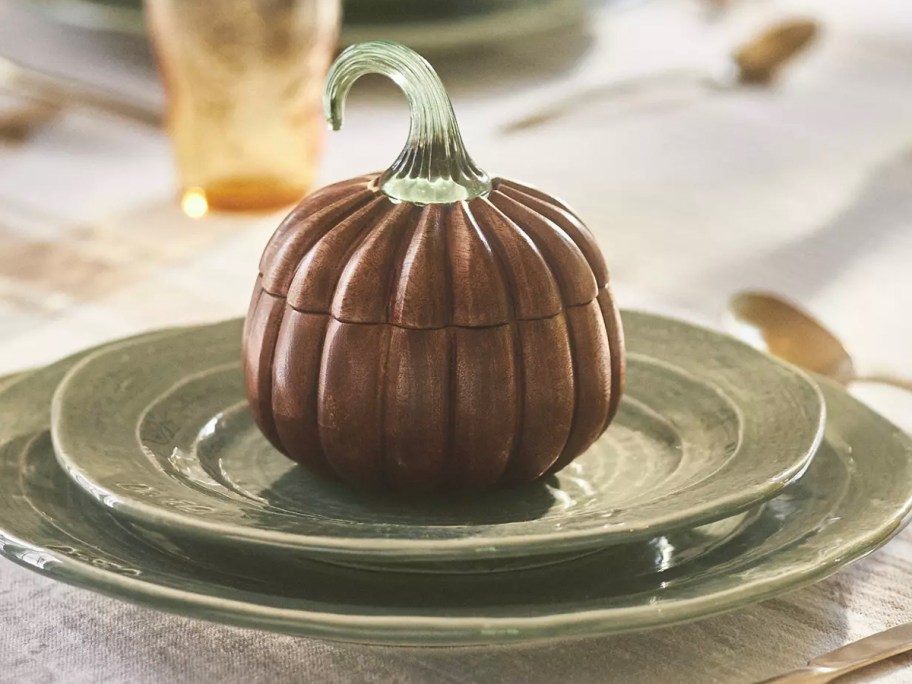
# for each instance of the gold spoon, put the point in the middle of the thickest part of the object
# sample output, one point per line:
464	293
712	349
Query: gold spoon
756	62
777	326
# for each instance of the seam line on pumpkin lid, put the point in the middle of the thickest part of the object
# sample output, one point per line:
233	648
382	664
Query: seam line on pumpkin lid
563	310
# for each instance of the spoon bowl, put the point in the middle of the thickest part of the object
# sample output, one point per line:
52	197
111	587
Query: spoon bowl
777	326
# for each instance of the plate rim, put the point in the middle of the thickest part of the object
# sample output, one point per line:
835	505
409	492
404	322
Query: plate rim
188	525
478	629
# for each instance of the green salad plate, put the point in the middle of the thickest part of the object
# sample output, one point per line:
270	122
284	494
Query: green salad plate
856	494
158	430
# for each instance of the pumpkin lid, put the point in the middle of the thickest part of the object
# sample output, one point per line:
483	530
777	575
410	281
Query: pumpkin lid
432	241
514	254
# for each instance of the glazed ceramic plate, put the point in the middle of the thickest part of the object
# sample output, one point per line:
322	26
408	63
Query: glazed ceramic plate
420	24
853	498
159	431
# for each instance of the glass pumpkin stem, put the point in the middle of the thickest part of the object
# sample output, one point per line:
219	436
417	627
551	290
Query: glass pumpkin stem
433	167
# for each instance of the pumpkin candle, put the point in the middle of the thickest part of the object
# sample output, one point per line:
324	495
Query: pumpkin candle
430	328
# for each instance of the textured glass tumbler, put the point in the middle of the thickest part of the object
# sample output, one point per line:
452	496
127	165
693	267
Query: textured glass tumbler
244	80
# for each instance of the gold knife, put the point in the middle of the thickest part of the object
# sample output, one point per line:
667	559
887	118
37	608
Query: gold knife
851	657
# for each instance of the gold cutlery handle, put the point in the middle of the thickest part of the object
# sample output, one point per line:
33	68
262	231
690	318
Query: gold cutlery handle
16	123
806	675
853	656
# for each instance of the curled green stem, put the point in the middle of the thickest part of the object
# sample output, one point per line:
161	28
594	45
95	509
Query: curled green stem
433	167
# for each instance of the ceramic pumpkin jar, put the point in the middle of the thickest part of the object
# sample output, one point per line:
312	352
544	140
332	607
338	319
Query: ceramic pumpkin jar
430	328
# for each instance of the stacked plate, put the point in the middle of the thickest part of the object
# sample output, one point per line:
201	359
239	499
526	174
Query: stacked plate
136	470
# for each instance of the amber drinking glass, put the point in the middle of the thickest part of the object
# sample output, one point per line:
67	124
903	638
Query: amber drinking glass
244	80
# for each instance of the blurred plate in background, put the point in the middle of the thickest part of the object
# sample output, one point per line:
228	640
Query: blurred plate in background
421	24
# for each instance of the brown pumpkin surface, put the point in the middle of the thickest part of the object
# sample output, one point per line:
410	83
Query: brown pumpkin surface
432	347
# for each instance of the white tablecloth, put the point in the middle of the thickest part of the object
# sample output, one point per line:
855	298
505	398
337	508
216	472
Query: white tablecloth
805	189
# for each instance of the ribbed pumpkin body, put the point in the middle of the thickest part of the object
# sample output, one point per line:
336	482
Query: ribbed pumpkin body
438	347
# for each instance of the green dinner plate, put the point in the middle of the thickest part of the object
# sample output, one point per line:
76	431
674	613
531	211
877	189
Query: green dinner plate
853	498
158	430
